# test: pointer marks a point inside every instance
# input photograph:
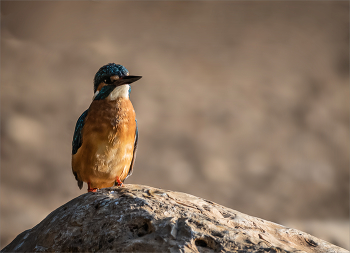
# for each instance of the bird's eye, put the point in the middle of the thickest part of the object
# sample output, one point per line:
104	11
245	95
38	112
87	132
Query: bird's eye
107	80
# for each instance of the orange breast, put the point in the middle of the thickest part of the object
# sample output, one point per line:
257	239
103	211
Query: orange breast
107	143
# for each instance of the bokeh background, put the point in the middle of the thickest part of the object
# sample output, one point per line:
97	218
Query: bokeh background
242	103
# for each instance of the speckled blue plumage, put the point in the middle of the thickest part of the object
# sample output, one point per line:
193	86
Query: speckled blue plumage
109	70
76	144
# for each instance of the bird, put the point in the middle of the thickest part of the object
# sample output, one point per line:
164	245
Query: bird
106	134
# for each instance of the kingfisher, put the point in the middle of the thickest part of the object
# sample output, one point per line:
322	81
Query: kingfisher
106	134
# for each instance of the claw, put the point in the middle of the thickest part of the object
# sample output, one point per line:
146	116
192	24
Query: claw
120	183
91	189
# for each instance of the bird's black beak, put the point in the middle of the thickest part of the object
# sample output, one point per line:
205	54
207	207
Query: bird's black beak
126	80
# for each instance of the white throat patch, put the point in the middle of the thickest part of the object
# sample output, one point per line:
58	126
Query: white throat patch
120	91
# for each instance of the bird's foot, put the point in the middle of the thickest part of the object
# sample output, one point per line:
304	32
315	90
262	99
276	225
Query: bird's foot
119	183
91	189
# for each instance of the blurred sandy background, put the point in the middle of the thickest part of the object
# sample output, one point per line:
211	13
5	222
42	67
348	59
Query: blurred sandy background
245	104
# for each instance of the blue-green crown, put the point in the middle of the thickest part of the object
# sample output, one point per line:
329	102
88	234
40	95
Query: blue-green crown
107	71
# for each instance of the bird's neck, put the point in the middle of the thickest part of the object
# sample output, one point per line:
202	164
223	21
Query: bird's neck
122	91
108	93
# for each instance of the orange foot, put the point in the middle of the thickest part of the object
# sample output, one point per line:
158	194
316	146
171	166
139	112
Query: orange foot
91	189
119	183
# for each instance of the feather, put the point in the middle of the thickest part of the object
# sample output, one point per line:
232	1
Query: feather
134	152
104	92
77	141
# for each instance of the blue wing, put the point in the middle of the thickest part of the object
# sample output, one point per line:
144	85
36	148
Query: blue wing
77	138
77	141
134	152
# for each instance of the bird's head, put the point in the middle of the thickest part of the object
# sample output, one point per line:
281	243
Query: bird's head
113	74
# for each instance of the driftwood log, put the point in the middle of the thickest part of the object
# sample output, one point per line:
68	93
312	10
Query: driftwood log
136	218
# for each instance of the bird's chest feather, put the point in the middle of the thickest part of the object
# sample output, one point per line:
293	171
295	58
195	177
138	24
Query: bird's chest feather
109	132
107	118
